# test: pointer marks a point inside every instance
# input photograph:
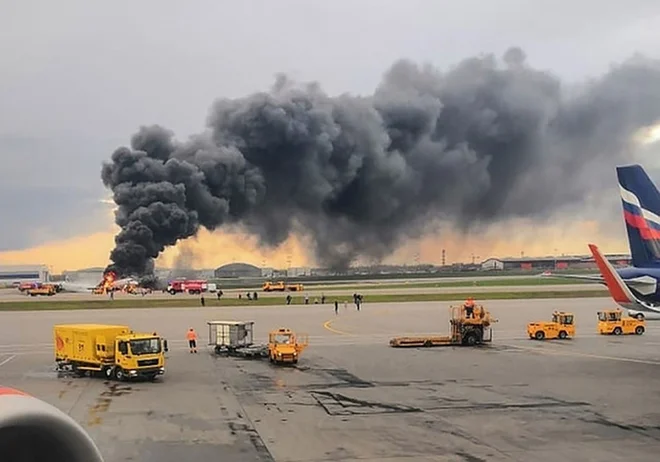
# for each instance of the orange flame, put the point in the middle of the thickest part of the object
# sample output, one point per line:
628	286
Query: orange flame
106	283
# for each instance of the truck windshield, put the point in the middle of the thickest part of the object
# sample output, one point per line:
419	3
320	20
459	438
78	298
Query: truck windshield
147	346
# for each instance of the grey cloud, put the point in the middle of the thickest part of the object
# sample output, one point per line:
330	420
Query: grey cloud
479	144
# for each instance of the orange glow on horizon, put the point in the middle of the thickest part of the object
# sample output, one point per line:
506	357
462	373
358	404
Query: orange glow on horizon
210	250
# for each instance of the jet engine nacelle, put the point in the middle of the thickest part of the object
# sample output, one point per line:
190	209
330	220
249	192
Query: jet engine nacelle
32	430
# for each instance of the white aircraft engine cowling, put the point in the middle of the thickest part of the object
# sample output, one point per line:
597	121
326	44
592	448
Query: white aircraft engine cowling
32	430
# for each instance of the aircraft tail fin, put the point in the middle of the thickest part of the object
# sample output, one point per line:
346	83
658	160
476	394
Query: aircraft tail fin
618	289
641	211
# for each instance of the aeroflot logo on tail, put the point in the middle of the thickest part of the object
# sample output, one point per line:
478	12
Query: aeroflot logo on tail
647	222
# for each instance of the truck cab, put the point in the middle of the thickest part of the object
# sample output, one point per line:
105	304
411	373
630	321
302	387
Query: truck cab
138	355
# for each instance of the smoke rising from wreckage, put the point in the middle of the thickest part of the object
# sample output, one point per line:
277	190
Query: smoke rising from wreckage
480	143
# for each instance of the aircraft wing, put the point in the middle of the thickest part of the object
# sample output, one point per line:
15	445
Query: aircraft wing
644	284
585	277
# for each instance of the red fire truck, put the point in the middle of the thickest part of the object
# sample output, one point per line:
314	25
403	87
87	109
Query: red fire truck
193	287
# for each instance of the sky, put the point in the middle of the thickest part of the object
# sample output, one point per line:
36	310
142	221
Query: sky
79	78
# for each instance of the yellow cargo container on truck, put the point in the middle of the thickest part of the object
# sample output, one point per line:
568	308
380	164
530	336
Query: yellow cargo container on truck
111	351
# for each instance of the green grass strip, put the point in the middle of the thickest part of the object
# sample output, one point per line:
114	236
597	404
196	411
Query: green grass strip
180	302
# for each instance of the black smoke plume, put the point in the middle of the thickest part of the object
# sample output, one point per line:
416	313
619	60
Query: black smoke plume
480	143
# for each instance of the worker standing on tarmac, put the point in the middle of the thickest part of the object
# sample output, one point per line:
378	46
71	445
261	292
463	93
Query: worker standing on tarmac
469	307
192	340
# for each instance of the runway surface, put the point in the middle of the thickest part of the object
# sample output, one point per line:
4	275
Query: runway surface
352	397
12	295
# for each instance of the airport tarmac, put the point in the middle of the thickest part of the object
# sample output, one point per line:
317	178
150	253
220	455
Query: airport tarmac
352	397
13	295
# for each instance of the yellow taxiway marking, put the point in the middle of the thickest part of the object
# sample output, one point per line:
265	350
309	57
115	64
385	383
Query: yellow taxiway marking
554	351
328	326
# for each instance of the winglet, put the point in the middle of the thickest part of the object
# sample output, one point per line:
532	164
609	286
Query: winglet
617	288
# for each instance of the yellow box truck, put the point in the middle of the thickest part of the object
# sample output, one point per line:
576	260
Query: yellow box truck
115	352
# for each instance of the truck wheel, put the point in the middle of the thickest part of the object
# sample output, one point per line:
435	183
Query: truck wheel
172	292
617	331
562	334
540	335
470	339
639	330
119	374
108	372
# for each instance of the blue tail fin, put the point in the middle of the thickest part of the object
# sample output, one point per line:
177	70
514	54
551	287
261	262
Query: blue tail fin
641	212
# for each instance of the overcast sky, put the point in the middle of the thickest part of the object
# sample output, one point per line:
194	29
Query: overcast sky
79	77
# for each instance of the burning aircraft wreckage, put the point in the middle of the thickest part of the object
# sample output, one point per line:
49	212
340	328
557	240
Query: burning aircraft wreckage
478	144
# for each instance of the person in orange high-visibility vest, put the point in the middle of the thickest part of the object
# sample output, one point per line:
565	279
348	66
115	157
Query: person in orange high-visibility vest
469	307
192	340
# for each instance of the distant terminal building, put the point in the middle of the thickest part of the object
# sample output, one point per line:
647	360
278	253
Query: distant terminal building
551	263
238	270
10	274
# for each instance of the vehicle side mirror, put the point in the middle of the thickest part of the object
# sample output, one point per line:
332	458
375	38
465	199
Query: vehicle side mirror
165	348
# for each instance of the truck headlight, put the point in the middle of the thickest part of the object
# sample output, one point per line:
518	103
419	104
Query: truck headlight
132	372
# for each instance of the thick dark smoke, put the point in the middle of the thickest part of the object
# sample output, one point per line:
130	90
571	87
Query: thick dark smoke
480	143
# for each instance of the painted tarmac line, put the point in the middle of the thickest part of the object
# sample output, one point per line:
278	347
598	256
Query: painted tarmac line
6	360
328	326
553	351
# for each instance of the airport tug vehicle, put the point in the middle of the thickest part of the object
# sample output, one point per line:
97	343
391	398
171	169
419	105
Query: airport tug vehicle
113	352
284	346
562	327
236	338
465	330
612	322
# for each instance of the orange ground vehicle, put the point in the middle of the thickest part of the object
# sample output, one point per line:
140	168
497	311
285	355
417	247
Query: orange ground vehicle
45	289
284	346
562	326
274	286
469	331
612	322
280	286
